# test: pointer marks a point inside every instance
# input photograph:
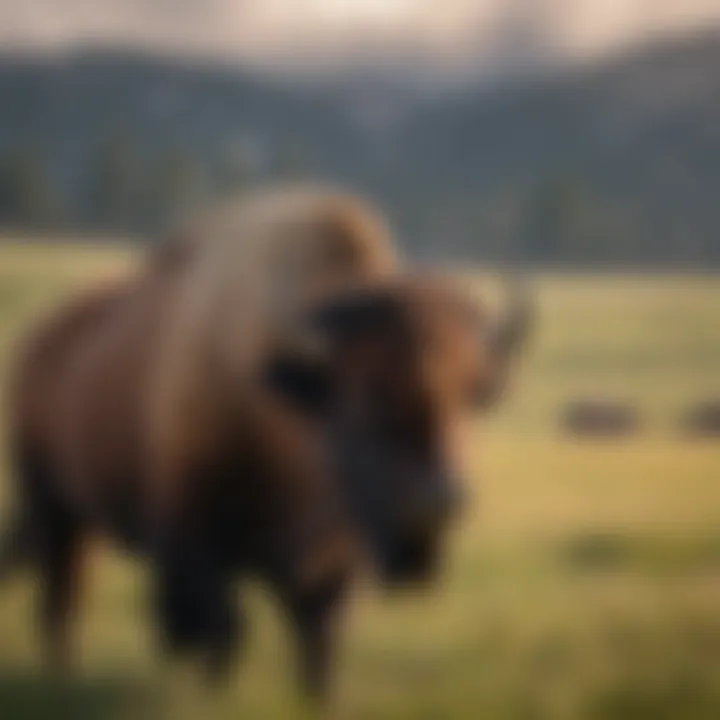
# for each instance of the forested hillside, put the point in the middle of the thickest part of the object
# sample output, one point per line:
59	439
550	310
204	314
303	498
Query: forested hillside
615	164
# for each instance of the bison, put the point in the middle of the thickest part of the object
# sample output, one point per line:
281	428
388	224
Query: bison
602	418
130	418
702	419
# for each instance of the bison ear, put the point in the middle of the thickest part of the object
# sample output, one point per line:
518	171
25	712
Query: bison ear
303	380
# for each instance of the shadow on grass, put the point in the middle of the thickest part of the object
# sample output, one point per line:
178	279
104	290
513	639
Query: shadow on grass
685	699
33	696
598	551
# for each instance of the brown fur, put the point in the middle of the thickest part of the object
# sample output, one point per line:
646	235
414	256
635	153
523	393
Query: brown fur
251	269
133	417
256	487
252	495
272	254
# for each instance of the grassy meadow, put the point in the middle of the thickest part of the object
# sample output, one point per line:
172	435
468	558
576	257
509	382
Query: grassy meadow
583	582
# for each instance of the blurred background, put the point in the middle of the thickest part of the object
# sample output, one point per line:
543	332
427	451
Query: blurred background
579	139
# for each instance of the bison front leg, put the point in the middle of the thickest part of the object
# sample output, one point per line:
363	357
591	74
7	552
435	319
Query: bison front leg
60	558
315	616
225	639
195	611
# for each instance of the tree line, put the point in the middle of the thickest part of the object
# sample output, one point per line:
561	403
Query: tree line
118	188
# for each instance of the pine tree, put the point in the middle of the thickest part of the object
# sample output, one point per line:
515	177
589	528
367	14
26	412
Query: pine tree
27	199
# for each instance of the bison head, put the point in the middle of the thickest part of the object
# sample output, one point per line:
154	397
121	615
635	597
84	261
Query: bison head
403	363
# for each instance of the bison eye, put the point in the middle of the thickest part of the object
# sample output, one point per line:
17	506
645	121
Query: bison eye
304	382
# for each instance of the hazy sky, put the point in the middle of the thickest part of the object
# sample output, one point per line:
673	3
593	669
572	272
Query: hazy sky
277	31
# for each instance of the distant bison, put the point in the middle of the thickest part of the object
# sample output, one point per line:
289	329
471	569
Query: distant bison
215	436
598	417
703	419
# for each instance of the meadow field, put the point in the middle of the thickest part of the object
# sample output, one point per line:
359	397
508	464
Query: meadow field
583	582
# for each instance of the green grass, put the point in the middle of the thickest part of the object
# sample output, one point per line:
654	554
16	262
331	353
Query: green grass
583	582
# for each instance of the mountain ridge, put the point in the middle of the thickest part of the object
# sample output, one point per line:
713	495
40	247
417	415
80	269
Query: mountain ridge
617	162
